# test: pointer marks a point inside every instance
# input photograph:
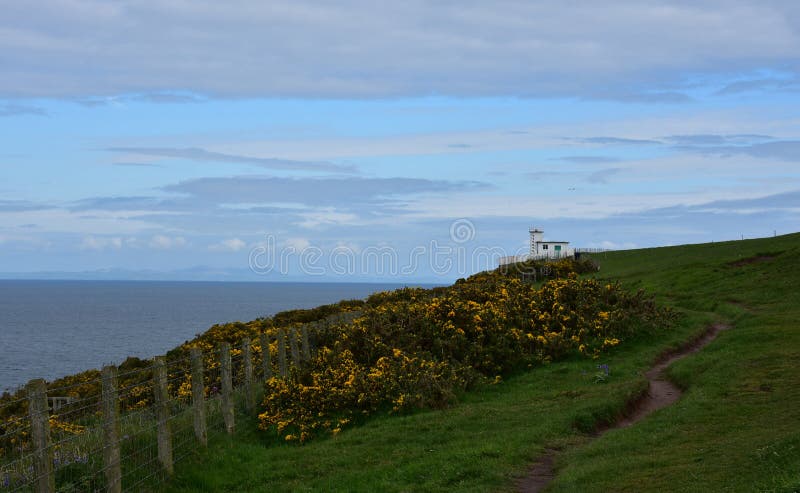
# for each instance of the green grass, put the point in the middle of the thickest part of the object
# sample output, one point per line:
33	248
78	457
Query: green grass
736	429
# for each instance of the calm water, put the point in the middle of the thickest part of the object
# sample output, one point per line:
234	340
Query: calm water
50	329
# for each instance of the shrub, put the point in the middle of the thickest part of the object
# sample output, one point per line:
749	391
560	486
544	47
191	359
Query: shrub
413	348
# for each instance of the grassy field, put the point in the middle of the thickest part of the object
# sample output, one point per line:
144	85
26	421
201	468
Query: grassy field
736	429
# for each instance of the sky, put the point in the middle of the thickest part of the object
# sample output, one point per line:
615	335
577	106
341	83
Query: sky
418	141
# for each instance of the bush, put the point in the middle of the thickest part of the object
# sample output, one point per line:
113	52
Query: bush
413	348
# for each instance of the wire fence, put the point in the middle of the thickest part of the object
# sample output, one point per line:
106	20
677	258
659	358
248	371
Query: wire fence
123	429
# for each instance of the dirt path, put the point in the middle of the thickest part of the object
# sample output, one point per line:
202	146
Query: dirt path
661	393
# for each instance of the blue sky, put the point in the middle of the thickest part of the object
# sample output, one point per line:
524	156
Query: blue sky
172	139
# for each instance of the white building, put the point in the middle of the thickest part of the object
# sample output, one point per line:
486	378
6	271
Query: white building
541	249
548	249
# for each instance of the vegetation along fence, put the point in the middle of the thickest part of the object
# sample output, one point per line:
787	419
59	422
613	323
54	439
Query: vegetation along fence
124	429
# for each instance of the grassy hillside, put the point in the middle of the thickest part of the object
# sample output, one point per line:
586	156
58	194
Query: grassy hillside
736	429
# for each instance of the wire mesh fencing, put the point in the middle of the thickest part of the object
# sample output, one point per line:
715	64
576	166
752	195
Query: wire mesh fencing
124	429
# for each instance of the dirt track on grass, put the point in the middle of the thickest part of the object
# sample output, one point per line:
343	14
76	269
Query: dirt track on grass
661	393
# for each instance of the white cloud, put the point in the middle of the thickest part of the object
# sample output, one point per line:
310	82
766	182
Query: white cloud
162	242
229	245
328	217
299	244
100	243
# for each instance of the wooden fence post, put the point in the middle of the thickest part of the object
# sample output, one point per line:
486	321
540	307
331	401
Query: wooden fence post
282	352
162	413
227	386
247	357
111	451
306	346
198	396
45	480
266	357
293	347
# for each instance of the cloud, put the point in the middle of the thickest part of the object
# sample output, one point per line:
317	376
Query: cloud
759	85
788	201
587	159
21	206
299	244
781	150
245	205
129	203
541	176
166	98
327	217
229	245
665	97
101	243
348	193
602	176
715	140
86	48
138	165
150	97
162	242
617	141
21	109
198	154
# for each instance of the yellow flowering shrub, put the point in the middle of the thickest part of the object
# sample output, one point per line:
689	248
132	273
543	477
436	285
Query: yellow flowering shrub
414	348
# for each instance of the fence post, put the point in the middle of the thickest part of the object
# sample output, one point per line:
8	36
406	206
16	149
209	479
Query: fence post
111	452
198	396
45	481
282	352
162	413
306	346
266	357
227	386
249	399
293	348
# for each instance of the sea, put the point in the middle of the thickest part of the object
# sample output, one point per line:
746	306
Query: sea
50	329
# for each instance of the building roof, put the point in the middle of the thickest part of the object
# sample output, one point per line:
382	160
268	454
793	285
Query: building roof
551	241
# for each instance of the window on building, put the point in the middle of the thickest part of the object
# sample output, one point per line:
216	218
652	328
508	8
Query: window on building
544	247
558	248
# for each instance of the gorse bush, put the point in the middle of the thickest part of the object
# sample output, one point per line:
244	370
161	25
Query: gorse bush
415	348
